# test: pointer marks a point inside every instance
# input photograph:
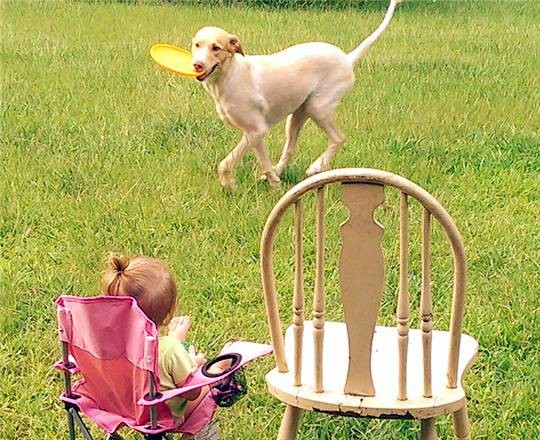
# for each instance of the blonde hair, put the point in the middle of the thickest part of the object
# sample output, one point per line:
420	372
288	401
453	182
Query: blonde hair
146	279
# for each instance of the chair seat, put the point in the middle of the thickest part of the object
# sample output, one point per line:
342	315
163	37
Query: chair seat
384	363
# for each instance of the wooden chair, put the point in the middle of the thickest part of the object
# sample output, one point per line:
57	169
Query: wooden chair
357	367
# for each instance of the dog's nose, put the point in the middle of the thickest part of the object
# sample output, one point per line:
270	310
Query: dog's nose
198	66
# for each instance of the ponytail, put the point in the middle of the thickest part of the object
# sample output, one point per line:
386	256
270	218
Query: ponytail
111	279
118	263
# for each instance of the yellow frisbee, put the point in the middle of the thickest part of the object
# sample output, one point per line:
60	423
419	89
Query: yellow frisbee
174	59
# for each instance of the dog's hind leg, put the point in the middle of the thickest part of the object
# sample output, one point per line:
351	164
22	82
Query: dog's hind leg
320	107
335	139
293	126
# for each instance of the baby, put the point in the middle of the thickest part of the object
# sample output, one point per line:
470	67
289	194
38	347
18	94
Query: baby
152	284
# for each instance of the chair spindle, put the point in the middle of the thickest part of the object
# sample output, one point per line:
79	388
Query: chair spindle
403	296
298	295
426	302
318	297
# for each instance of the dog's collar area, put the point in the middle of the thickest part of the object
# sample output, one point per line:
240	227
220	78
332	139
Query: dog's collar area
207	73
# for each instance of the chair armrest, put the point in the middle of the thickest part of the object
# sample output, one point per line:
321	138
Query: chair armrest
197	380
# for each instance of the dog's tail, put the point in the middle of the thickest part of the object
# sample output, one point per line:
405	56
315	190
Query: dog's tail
355	55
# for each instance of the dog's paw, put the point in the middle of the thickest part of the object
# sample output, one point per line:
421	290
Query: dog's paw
275	183
317	167
275	169
227	182
226	177
272	178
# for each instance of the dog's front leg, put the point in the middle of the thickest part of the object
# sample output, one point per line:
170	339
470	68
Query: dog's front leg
226	166
264	160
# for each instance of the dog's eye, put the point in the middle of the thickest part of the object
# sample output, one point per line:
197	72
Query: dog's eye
197	45
216	48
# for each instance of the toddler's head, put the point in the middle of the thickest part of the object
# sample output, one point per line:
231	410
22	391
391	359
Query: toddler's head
146	279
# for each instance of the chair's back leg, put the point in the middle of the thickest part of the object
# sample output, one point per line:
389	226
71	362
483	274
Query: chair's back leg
290	423
67	390
152	394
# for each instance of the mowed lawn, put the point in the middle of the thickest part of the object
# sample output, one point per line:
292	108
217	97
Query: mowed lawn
100	150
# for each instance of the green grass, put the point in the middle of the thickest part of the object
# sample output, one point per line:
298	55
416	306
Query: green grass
102	151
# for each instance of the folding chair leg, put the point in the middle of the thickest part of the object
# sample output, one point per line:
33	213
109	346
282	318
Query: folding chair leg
290	423
71	425
80	424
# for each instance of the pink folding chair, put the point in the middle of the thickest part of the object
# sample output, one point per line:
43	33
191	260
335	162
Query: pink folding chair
114	347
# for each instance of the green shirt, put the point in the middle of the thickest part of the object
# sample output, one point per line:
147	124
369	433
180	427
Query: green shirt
174	366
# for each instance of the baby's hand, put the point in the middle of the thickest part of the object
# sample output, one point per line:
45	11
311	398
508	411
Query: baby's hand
179	327
198	358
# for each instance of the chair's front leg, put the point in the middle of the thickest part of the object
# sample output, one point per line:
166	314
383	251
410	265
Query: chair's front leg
80	424
461	423
290	423
428	431
71	425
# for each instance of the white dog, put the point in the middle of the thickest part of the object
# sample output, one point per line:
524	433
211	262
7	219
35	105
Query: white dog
253	93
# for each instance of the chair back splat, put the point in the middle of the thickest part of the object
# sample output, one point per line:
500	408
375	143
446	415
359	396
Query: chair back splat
361	280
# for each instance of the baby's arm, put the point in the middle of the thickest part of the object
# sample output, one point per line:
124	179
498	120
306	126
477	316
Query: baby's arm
197	357
181	365
179	327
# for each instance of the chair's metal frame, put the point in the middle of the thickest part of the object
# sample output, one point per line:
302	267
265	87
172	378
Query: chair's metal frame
72	410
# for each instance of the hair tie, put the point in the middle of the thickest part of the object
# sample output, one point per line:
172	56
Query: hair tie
118	263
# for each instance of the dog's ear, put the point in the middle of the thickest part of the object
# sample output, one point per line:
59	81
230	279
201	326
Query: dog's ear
235	46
